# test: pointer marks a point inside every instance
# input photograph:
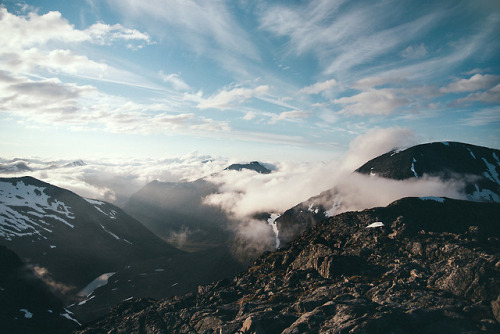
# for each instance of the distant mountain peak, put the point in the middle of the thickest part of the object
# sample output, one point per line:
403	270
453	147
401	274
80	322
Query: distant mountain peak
76	163
15	166
254	165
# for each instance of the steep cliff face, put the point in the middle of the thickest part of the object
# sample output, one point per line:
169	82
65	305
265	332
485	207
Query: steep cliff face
420	265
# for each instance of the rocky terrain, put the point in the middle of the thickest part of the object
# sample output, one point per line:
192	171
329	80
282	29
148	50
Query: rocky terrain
419	265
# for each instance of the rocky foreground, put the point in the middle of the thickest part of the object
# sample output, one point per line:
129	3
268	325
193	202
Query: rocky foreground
417	266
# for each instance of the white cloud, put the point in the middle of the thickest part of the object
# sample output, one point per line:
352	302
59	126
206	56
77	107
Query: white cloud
290	115
343	37
376	142
243	194
319	87
414	52
483	117
22	32
205	26
53	102
175	80
116	180
372	102
229	98
37	44
491	95
474	83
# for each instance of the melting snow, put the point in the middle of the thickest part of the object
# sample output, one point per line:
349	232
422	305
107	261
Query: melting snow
311	208
68	316
272	222
27	314
376	224
33	204
491	173
86	300
433	198
96	283
484	195
110	233
472	153
111	214
413	167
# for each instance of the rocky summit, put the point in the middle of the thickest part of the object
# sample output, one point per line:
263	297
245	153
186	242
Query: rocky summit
419	265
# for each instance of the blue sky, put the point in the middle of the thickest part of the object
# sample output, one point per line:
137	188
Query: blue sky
255	80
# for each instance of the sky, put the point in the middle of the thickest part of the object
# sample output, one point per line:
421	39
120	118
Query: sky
249	80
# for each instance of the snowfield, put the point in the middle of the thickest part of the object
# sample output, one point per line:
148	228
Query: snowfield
38	215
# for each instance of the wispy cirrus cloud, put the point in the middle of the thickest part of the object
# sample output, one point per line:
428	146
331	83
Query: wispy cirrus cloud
372	102
319	87
483	117
342	37
227	98
290	115
204	27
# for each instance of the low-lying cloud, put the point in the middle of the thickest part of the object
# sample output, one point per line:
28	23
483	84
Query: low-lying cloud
116	180
244	194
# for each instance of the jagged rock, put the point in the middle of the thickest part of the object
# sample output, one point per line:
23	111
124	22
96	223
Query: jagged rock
425	271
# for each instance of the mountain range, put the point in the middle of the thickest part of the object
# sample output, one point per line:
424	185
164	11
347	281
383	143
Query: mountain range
476	168
420	264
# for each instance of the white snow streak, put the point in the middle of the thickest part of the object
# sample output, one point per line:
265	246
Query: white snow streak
376	224
413	168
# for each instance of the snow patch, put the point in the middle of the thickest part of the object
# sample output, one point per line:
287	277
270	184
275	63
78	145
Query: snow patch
27	314
484	195
413	168
23	205
69	317
94	202
111	214
472	153
312	209
491	173
86	300
96	283
433	198
376	224
110	233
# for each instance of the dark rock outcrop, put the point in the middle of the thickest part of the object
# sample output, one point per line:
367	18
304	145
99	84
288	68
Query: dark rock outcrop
416	266
254	165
